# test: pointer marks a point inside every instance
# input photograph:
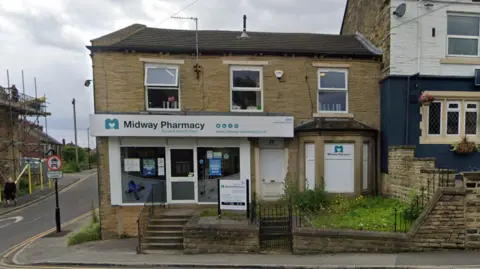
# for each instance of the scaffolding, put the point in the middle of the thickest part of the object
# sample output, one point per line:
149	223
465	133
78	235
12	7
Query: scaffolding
15	109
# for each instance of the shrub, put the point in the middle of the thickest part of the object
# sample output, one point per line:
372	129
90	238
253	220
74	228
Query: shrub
306	201
70	167
89	232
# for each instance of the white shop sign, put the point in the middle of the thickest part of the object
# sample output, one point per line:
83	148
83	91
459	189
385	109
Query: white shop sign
233	194
193	126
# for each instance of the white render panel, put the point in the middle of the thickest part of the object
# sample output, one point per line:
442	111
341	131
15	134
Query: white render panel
404	38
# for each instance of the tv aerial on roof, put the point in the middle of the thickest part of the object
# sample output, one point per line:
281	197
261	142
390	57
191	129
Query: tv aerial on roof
400	10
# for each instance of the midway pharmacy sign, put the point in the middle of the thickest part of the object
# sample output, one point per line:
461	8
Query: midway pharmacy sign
190	126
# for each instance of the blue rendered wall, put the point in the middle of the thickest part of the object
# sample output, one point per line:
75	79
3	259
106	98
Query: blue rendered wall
393	123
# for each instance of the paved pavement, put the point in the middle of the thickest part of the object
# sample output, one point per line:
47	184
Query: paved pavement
50	251
20	225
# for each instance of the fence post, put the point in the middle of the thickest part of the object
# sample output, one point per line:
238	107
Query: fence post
41	175
30	187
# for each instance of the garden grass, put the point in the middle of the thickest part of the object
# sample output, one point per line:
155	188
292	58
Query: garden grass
362	213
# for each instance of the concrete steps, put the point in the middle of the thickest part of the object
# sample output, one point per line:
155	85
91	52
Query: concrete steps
165	232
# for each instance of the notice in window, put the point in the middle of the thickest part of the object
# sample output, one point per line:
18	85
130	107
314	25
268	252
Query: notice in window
215	167
161	166
148	167
131	165
217	155
209	154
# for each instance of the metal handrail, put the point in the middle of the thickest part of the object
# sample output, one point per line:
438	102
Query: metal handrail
142	222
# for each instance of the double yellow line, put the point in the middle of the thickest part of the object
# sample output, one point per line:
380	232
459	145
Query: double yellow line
32	239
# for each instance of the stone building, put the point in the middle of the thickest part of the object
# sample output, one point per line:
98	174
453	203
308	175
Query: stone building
249	105
430	47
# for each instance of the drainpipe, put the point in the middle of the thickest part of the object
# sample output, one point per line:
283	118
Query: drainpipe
407	107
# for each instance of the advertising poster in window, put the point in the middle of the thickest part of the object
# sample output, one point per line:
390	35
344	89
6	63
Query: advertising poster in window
215	167
148	168
141	174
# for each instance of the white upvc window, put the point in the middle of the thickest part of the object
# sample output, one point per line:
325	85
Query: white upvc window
162	87
332	90
463	35
435	121
453	118
471	118
246	88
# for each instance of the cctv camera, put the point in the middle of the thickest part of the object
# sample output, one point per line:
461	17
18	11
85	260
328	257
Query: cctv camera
87	82
279	74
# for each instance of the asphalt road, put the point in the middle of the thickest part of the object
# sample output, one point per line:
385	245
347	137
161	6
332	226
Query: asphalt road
40	217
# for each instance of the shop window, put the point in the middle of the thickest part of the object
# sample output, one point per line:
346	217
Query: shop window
246	85
162	87
143	170
215	164
332	90
181	162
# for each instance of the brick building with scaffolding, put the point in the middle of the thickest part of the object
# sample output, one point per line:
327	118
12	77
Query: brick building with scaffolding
15	107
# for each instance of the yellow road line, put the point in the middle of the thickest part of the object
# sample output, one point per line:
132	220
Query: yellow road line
40	235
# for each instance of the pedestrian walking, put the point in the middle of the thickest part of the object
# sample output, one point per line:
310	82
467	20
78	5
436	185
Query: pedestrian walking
10	191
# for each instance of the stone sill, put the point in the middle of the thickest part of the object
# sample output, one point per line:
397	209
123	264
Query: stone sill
401	147
461	60
311	232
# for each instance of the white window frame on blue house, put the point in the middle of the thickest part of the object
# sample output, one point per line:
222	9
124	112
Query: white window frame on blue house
470	110
441	119
469	37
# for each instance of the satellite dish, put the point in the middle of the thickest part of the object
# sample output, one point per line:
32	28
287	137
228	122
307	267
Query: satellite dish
400	10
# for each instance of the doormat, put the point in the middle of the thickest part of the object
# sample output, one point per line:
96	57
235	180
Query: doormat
55	234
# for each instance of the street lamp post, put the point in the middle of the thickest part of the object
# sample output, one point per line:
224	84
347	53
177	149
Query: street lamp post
75	129
88	145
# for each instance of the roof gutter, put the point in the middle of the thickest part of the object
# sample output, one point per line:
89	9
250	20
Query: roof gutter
223	51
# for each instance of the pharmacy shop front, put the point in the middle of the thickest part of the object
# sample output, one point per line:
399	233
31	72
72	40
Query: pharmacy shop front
179	157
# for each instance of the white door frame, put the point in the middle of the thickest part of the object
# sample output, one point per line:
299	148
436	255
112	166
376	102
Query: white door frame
307	159
171	179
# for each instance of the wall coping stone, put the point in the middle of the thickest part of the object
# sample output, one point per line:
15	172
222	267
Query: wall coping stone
431	205
356	234
437	171
401	147
193	224
424	159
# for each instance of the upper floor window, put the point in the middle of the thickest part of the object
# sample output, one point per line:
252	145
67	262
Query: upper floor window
162	87
460	118
332	90
463	34
246	86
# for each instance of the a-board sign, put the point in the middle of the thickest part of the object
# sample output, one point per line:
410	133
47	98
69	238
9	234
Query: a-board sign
233	194
54	174
54	163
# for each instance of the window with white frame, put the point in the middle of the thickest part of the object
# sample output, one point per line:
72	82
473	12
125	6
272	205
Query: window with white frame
332	90
471	118
246	86
162	87
435	118
463	34
453	118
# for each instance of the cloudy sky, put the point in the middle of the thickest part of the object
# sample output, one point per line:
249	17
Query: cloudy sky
46	39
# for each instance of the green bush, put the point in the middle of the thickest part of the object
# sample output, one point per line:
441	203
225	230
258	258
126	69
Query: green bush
89	232
306	201
70	167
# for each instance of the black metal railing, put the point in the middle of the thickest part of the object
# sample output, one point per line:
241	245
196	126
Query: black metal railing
276	222
153	204
403	218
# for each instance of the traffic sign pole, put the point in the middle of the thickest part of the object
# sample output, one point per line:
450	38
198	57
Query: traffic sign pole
57	208
54	164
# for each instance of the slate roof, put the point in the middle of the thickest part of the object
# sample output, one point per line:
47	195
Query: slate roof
333	124
212	41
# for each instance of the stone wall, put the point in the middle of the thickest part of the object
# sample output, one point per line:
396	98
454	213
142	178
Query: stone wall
209	235
314	241
472	210
440	226
409	174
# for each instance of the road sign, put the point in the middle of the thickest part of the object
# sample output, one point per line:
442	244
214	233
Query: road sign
54	174
54	163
